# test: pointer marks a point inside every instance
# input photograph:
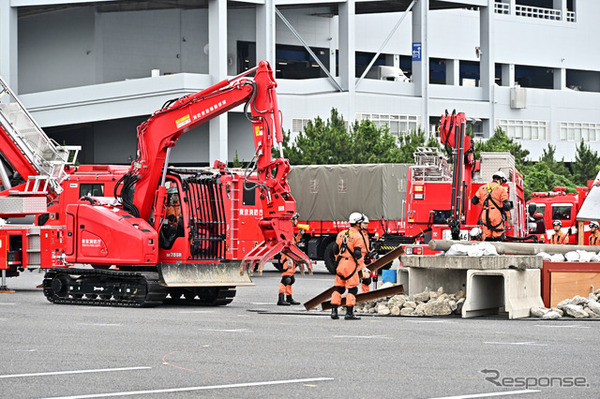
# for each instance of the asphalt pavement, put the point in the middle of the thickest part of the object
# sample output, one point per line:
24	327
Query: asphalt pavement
253	348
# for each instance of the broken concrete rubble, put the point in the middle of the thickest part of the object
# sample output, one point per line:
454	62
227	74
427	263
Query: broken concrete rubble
426	303
577	307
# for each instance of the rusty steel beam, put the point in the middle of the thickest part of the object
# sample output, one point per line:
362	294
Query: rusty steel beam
369	296
378	264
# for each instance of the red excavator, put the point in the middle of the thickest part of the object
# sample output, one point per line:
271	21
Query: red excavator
177	232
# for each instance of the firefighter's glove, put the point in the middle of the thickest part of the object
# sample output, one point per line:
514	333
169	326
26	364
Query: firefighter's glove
475	200
368	259
357	253
507	205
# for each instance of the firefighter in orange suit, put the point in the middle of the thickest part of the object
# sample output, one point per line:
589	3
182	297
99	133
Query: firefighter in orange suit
287	276
496	207
558	237
594	234
352	245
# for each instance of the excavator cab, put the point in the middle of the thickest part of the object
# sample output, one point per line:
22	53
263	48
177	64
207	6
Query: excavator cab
172	225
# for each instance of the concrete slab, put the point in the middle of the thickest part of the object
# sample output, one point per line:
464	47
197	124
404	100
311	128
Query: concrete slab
471	262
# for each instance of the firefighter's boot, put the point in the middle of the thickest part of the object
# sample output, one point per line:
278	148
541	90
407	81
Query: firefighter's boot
350	314
334	313
282	301
290	300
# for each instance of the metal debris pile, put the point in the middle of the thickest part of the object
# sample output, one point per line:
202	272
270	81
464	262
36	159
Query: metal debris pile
426	303
577	307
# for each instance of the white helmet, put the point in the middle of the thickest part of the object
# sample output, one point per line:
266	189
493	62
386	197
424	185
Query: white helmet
557	223
357	217
594	224
475	232
499	175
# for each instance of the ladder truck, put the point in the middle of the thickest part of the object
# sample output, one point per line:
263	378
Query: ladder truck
142	251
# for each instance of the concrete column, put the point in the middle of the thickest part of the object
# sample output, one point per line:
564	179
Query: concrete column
265	32
560	79
453	72
486	56
486	63
347	46
420	58
508	75
217	69
347	58
562	6
8	45
512	4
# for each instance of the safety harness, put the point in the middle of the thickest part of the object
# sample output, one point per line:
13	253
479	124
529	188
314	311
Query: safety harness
344	248
488	222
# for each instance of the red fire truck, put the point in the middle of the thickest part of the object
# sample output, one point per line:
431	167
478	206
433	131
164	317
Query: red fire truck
406	204
546	207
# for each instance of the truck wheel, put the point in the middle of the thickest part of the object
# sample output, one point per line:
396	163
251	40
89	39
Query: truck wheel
329	257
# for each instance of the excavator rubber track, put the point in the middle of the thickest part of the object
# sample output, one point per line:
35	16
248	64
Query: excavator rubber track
96	287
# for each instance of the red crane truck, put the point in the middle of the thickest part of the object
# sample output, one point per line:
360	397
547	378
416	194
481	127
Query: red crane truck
143	251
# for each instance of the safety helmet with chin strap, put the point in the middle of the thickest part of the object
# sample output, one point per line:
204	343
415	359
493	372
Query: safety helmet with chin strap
499	175
357	217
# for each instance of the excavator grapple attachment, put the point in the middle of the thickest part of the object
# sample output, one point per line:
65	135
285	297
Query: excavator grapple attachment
264	252
221	274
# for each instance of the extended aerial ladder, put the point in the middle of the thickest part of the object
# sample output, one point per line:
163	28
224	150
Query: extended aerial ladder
37	166
38	160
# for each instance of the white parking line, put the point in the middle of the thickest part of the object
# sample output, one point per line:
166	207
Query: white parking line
7	304
516	343
189	389
232	330
561	326
101	324
490	394
197	311
362	336
430	321
73	372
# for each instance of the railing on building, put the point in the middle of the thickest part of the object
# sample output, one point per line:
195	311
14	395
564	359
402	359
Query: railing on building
534	12
538	12
502	8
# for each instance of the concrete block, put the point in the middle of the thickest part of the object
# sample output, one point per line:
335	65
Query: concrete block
496	291
416	280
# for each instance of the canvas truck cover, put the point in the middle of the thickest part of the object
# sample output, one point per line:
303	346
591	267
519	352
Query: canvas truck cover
333	192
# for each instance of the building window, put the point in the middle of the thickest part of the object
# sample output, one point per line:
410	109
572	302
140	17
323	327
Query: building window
298	124
577	131
398	124
524	130
293	62
534	77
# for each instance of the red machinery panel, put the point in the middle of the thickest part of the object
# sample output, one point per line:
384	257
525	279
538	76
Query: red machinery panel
106	236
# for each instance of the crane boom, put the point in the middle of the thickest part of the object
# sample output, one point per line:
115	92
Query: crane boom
161	131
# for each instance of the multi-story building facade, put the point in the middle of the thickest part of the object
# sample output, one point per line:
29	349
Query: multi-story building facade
90	71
